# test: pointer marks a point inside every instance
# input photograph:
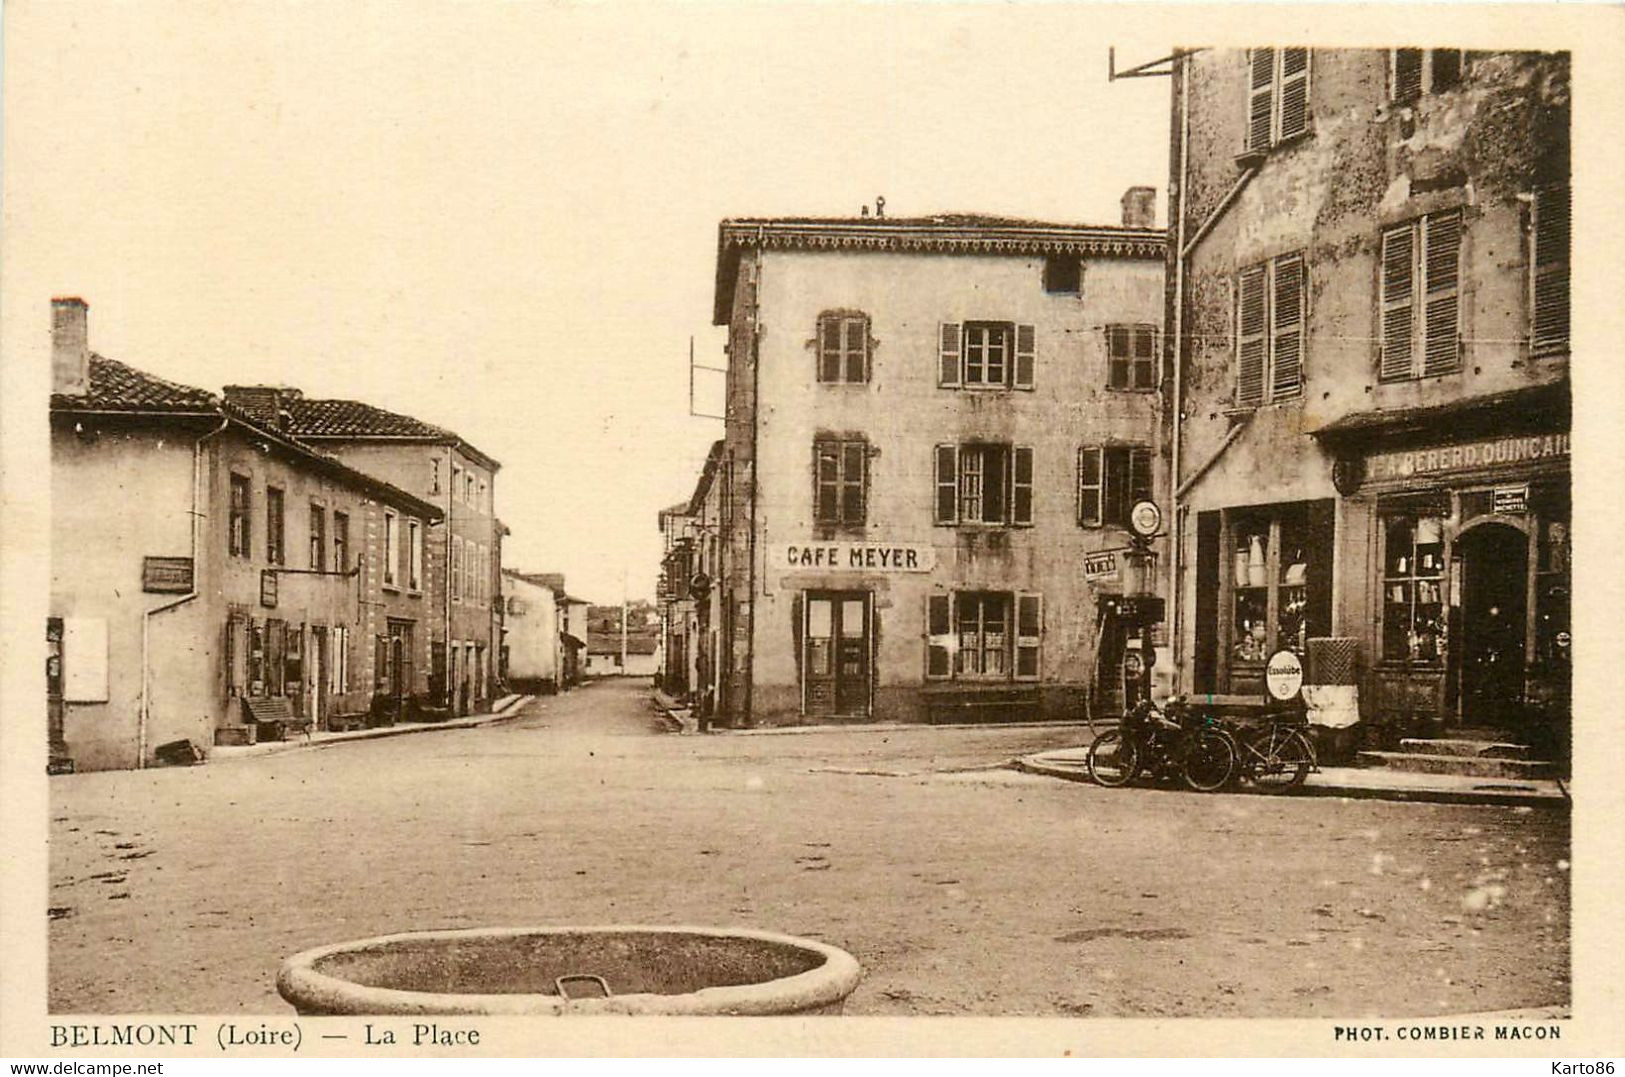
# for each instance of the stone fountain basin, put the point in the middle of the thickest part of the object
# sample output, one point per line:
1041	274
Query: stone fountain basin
648	970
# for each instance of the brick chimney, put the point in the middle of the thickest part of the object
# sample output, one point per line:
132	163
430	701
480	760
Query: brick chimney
1140	207
265	404
70	346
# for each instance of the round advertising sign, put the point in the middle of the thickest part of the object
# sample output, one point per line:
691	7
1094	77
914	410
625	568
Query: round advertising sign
1283	676
1145	518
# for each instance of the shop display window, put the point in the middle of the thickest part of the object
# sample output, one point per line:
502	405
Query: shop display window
1269	566
1413	589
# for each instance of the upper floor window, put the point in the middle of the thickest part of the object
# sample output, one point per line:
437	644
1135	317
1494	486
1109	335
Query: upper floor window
392	548
237	526
341	542
1269	330
1063	274
318	538
456	569
1131	357
434	476
986	355
1111	478
1414	72
841	480
983	483
1277	96
843	347
1421	274
274	548
414	555
468	488
1549	271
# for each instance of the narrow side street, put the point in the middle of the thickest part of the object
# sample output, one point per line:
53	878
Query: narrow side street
960	892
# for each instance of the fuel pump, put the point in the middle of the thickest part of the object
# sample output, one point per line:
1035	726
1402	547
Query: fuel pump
1137	611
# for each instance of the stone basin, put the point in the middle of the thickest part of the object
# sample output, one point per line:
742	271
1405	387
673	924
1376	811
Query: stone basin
645	970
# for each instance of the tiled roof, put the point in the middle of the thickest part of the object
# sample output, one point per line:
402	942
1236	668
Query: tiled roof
352	418
117	387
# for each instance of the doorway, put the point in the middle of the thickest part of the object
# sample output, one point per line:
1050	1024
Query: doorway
1494	561
836	654
316	681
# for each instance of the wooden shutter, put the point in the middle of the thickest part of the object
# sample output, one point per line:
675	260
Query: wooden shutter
1206	627
826	482
1286	329
1407	76
939	636
1398	254
1294	92
1021	487
1549	283
1442	244
1260	94
947	480
854	465
857	349
1089	482
1029	635
1251	327
948	355
829	348
1026	356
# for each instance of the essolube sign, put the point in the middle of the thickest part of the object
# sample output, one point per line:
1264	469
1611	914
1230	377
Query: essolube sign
1283	675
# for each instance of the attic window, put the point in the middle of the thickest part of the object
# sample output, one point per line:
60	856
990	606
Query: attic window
1063	275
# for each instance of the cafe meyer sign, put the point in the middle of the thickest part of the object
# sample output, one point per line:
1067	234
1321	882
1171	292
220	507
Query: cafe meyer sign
1446	459
854	556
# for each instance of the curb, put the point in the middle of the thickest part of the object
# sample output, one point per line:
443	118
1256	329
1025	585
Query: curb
898	727
506	710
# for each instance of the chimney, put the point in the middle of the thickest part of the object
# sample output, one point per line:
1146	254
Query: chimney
1140	207
70	347
265	404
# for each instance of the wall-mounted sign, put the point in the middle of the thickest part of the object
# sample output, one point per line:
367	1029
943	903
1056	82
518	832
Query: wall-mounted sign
1283	676
1447	459
853	556
268	588
1101	565
1511	500
166	575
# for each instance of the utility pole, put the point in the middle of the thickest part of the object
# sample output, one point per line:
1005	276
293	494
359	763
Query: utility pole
623	620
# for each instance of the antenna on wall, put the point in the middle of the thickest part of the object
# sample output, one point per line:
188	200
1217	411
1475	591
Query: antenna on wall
692	367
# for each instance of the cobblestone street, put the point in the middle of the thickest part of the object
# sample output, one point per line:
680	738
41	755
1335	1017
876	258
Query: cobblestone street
960	891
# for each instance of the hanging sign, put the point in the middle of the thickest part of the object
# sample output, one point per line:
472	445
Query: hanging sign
1283	676
1511	500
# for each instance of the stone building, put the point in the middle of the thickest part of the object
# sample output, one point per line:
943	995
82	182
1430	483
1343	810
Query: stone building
930	423
534	638
1368	270
208	569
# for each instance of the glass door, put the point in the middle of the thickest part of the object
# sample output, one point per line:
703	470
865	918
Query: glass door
835	654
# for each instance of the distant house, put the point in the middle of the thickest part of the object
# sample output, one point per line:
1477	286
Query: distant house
533	621
608	655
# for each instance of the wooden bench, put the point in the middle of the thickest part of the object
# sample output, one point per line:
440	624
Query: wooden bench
273	717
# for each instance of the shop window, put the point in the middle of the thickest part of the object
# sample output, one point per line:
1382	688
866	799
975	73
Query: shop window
986	355
237	527
843	347
318	538
1269	330
341	542
1131	357
1413	589
1277	97
984	484
1276	565
1421	274
1063	274
984	635
1549	272
274	548
1111	479
840	481
1414	72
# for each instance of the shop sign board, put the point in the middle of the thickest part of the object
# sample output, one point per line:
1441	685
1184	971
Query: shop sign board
166	575
1511	500
873	557
1472	456
1100	565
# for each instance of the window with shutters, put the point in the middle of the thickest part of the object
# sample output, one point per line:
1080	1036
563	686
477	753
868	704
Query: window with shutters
1131	357
840	481
341	542
984	635
318	538
1549	272
1270	319
275	551
1420	298
986	355
1111	478
982	483
1277	97
1414	72
237	526
392	548
414	554
843	347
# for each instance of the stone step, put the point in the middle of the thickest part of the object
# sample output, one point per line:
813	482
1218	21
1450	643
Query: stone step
1463	765
1464	746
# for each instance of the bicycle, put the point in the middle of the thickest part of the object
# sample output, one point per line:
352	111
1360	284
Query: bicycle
1182	744
1276	756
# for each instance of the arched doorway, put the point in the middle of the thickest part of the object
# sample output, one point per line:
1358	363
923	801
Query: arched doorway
1494	560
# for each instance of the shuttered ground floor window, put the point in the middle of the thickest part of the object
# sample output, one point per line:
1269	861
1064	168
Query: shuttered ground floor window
984	635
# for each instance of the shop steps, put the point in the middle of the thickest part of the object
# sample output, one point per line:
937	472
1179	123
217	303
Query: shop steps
1470	766
1464	746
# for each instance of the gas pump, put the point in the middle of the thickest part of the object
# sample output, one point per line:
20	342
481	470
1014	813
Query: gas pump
1137	611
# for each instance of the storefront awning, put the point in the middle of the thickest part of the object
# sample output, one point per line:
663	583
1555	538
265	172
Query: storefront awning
1537	409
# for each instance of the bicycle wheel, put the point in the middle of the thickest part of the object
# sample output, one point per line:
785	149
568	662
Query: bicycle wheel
1277	760
1113	759
1210	761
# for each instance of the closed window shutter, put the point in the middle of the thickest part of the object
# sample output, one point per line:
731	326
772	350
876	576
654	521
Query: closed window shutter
1407	75
857	349
948	355
939	635
829	349
854	463
1250	332
1089	476
1443	247
1026	356
826	482
1145	357
947	484
1294	92
1029	635
1549	302
1260	87
1286	337
1021	487
1397	256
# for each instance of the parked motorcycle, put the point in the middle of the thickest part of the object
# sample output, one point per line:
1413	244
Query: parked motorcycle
1177	743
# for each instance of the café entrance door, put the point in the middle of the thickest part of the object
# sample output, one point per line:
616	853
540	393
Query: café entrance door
836	654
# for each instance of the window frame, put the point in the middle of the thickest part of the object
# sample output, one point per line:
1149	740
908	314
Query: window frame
1273	95
239	516
1426	82
1129	362
1015	473
1128	459
1550	271
276	524
1280	340
1018	355
1420	261
392	548
1019	648
414	555
845	323
341	541
841	452
318	537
